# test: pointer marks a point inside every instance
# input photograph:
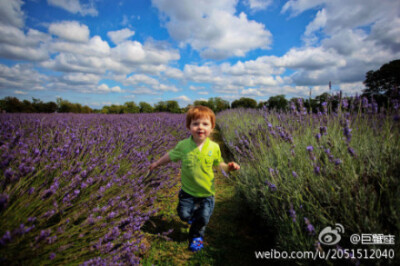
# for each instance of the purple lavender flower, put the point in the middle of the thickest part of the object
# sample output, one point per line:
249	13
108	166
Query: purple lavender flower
310	148
310	228
292	213
318	136
271	171
9	173
317	170
345	103
6	238
365	102
351	151
347	133
271	186
294	174
396	104
52	256
337	161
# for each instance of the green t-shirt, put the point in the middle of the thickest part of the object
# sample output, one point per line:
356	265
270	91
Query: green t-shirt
197	175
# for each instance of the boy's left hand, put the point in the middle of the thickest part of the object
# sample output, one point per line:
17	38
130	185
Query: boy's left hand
233	166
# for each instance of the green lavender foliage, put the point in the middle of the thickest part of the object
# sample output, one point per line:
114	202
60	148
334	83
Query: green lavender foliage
303	172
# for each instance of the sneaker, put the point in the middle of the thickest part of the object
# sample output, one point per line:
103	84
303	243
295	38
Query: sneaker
196	244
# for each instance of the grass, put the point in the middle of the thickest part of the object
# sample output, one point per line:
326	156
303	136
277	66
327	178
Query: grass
232	236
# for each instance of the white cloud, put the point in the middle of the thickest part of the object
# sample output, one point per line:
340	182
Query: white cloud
387	34
335	16
22	77
310	58
71	31
258	4
262	66
251	92
23	53
183	98
164	87
145	90
74	6
196	88
15	44
130	51
104	88
120	35
11	13
212	28
20	92
94	47
81	78
353	36
68	62
352	88
141	79
173	73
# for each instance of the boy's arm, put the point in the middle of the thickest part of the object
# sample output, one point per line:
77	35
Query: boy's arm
161	161
229	167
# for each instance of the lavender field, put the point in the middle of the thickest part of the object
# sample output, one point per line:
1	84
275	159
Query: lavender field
72	187
302	172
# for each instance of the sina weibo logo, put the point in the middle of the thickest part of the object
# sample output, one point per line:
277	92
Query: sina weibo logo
329	236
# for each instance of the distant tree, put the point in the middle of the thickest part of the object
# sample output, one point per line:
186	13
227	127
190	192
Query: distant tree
167	106
202	102
245	103
217	104
311	105
64	106
12	105
27	107
332	102
105	110
161	107
384	81
145	107
324	97
278	103
116	109
86	109
130	108
262	104
173	107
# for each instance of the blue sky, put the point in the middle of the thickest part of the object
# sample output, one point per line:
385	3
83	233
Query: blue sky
98	52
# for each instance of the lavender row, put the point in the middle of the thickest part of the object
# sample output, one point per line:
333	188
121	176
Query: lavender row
73	187
303	172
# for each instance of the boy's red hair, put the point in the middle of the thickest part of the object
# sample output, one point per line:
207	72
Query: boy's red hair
200	111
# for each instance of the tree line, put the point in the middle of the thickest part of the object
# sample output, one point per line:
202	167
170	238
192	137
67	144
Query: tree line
382	86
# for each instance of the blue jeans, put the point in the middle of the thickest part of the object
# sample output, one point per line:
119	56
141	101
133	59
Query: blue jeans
198	210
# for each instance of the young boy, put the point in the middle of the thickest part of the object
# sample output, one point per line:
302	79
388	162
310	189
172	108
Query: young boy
198	155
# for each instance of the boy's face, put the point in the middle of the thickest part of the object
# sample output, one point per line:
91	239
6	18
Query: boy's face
200	129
